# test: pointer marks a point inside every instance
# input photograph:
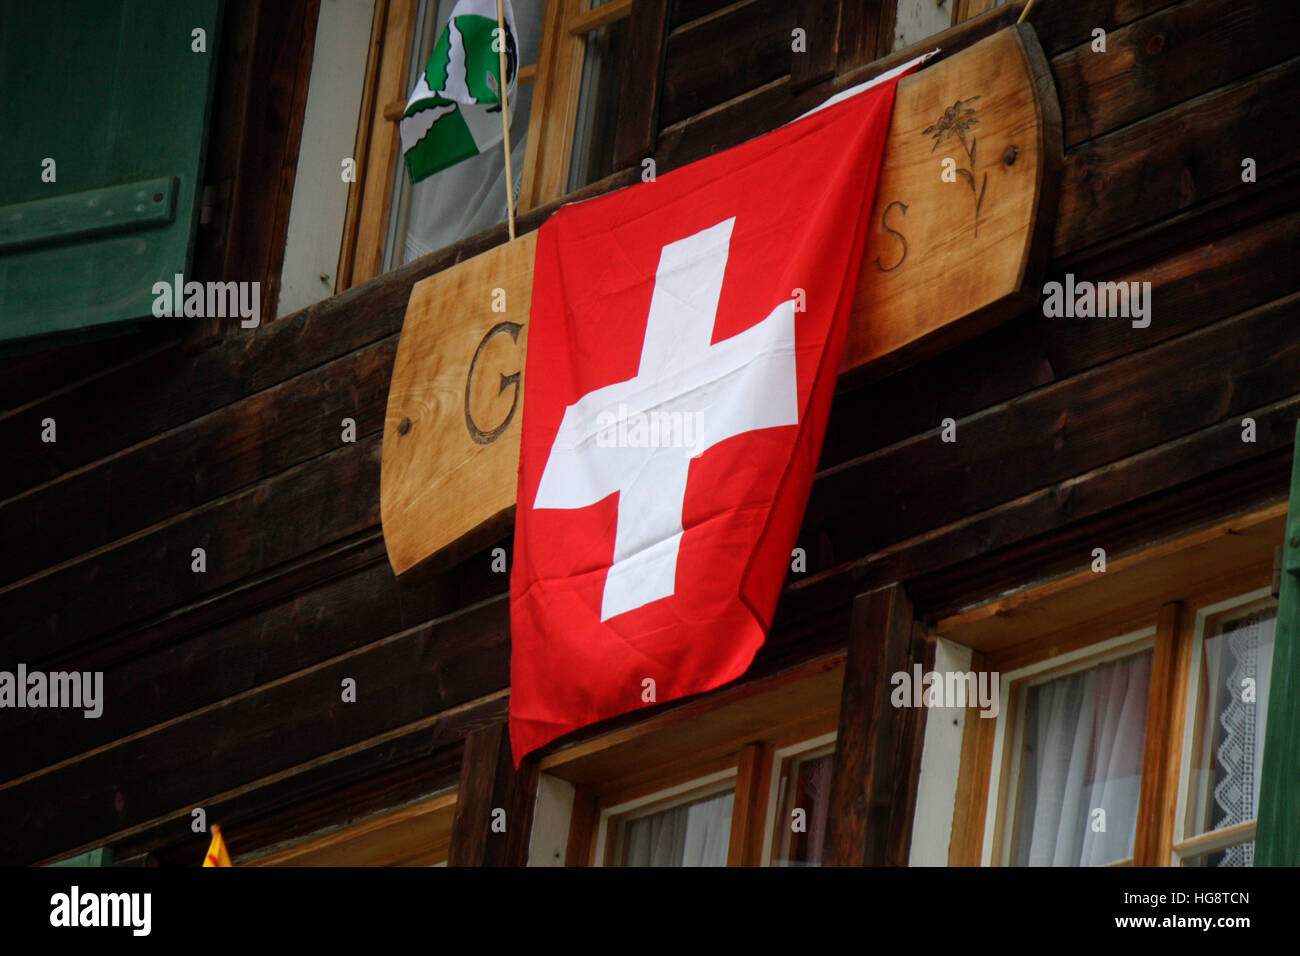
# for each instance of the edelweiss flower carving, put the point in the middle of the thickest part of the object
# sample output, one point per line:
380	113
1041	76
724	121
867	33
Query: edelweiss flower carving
959	121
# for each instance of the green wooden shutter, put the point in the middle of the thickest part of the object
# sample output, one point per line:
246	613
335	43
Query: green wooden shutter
1277	840
114	93
103	856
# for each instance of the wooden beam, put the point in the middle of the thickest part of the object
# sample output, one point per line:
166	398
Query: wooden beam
751	38
966	842
749	806
873	743
637	128
1159	791
582	828
494	803
820	21
866	32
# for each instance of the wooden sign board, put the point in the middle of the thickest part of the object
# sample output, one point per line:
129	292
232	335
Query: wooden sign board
947	257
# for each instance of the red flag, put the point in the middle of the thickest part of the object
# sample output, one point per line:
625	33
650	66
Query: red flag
686	337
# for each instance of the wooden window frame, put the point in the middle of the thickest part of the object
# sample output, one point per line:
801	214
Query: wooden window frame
773	804
1008	746
1211	616
733	733
557	79
1165	591
610	831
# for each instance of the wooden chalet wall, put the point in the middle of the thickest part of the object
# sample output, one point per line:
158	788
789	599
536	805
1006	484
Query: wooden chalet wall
222	688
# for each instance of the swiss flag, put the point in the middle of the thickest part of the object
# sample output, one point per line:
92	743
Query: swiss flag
686	337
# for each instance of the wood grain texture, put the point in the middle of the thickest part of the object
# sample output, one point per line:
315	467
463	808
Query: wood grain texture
637	129
451	432
1211	254
1155	810
945	260
245	740
362	255
873	735
447	486
712	60
1062	430
555	96
1175	159
966	843
214	455
820	21
1168	57
866	32
494	804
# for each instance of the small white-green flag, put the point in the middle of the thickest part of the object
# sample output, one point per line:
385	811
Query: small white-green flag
454	112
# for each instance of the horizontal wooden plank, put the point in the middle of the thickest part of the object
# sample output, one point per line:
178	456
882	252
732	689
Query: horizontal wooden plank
328	617
316	503
1177	158
1168	57
1173	487
31	376
1064	25
107	413
220	453
1244	474
1193	287
401	679
714	60
684	11
1134	583
383	772
1065	429
759	110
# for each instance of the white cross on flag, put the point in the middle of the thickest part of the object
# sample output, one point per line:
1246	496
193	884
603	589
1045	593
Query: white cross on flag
686	336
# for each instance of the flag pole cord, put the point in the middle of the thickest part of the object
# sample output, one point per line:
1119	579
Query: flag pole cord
505	121
1023	13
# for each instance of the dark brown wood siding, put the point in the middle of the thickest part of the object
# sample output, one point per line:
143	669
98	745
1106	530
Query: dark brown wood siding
223	688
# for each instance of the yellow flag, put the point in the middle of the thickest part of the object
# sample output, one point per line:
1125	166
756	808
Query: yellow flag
217	855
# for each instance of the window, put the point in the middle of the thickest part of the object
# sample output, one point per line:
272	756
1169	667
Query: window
1075	764
572	55
801	803
1132	716
1224	737
471	195
713	782
688	828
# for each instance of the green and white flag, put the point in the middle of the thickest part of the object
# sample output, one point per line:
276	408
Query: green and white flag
454	112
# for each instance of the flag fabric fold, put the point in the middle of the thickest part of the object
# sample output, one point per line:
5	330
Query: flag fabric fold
217	853
454	112
686	336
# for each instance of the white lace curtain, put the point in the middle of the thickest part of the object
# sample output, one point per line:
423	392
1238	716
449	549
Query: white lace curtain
1083	753
1241	653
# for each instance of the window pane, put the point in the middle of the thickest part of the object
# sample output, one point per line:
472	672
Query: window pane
914	20
1228	741
1232	856
694	834
602	78
470	196
803	800
1081	767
